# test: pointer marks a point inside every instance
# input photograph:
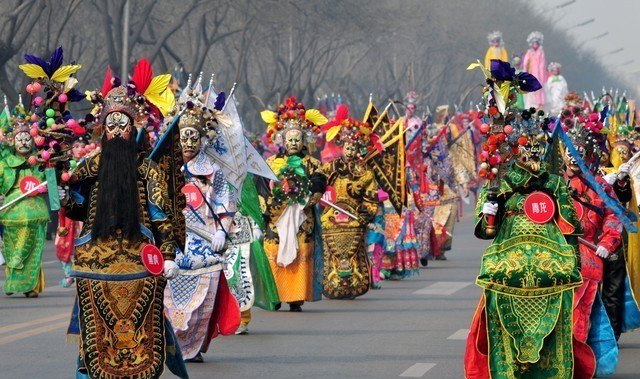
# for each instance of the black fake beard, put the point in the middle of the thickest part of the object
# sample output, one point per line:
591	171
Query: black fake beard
118	204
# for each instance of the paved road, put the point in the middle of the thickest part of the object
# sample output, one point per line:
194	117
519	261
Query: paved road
410	328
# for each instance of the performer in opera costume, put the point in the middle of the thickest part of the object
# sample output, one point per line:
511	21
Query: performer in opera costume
24	222
496	48
522	327
535	63
123	201
621	283
288	205
69	229
555	90
352	187
596	351
198	298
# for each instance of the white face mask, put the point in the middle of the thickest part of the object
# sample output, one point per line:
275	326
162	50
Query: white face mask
118	124
190	143
23	143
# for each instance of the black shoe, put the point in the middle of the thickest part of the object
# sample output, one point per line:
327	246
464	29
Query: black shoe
48	236
441	257
197	359
278	306
295	308
424	261
31	294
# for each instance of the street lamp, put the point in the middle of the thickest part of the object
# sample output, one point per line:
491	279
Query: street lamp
564	4
583	23
602	35
616	51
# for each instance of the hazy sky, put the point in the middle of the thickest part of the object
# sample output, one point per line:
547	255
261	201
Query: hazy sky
620	18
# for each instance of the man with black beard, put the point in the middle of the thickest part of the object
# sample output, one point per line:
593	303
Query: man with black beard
123	202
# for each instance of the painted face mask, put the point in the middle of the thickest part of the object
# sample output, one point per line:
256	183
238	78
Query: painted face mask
23	143
293	142
190	143
118	124
530	155
350	151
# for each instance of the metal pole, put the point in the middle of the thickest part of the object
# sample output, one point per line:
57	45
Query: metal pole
124	72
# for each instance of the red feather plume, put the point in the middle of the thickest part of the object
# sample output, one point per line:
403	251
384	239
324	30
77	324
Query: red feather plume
107	85
342	113
142	75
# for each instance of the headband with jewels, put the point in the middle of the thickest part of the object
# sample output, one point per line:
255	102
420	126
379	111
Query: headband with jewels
495	35
292	116
584	129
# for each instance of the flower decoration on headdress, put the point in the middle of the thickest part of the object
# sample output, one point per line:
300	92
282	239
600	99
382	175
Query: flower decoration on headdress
411	98
535	37
343	129
53	128
292	115
585	131
494	36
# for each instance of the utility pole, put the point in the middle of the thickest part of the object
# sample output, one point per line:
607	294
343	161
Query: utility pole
124	72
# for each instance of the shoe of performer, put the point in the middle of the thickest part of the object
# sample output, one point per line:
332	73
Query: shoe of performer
376	285
31	294
66	282
9	293
424	261
295	308
278	306
197	359
441	257
242	330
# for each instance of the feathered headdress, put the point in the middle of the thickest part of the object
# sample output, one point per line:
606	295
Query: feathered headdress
344	129
292	115
554	65
145	98
53	127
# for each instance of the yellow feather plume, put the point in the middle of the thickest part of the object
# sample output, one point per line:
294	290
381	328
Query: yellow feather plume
33	71
269	117
62	74
158	85
333	132
314	116
164	101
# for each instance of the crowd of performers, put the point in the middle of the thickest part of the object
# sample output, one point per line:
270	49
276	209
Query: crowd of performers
173	224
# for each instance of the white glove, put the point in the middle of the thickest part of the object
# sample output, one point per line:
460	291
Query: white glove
490	209
257	233
62	193
623	170
217	243
610	178
602	252
171	270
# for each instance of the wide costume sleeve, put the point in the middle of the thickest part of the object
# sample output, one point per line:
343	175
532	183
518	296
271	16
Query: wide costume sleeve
369	206
611	233
567	218
82	180
160	212
222	200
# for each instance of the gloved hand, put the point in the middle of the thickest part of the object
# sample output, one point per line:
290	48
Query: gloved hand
602	252
171	270
257	233
610	178
217	243
623	170
62	193
490	209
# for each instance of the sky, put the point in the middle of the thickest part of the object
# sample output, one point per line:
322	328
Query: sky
618	18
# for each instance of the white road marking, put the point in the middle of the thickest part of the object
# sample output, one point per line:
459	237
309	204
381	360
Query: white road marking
418	370
442	288
32	332
459	335
50	262
57	288
44	320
